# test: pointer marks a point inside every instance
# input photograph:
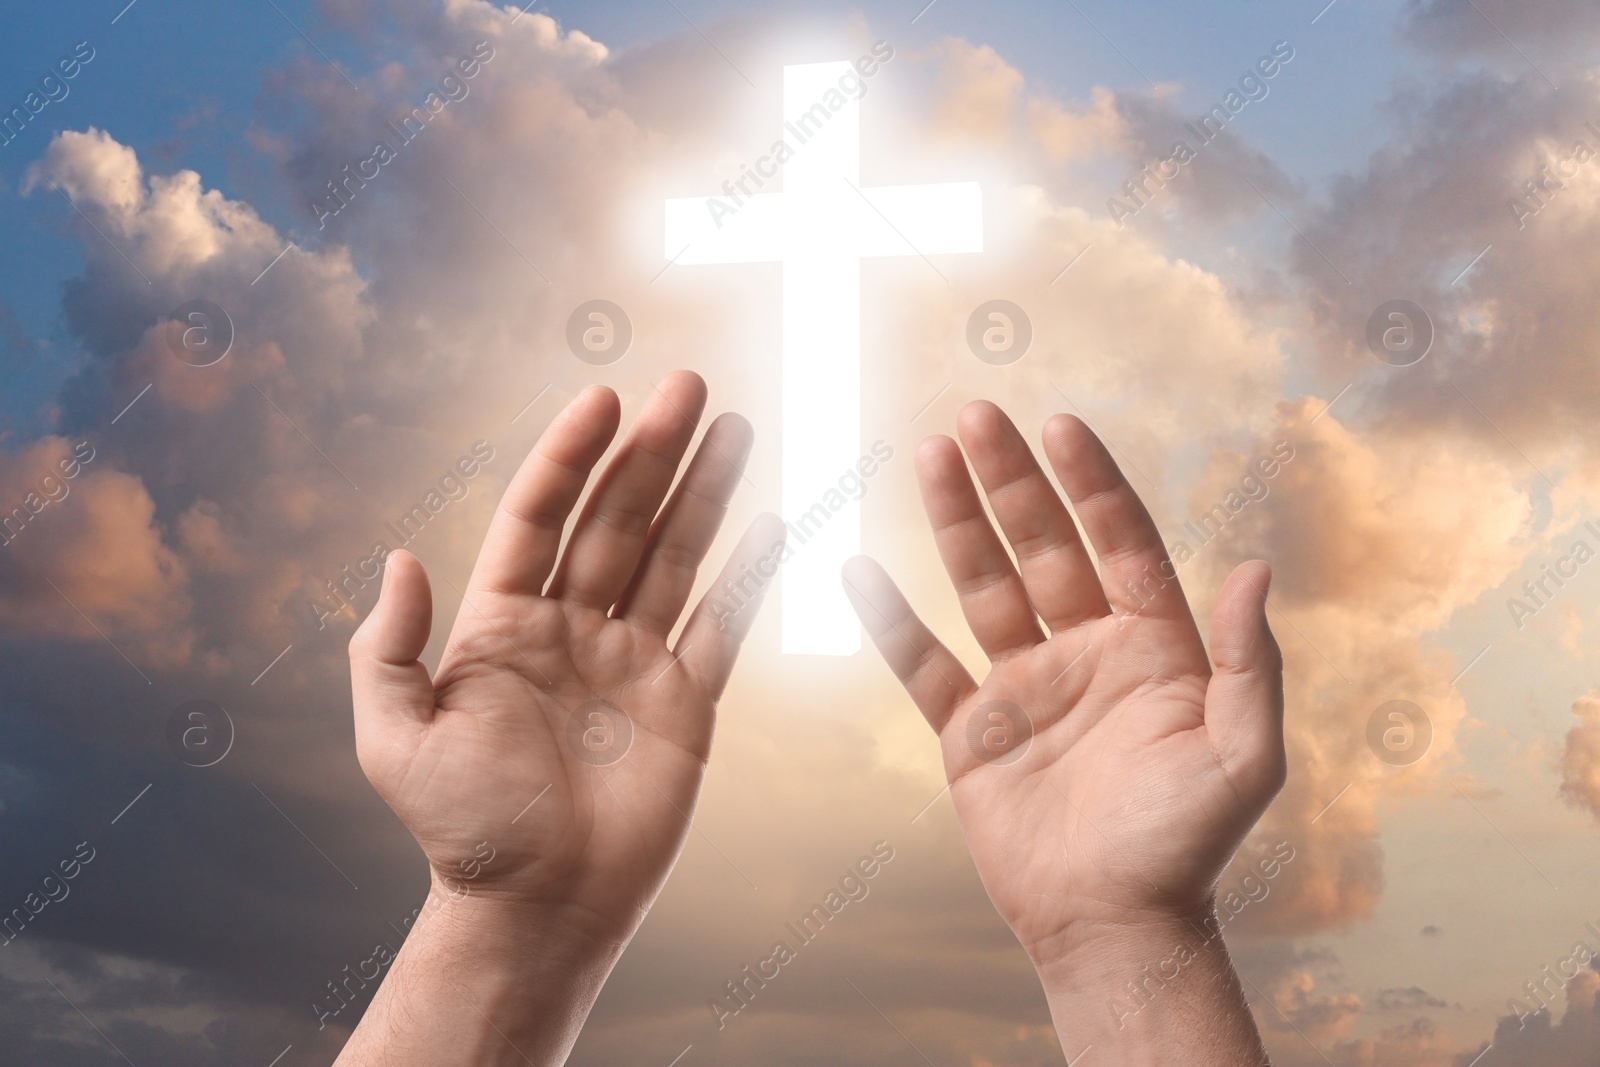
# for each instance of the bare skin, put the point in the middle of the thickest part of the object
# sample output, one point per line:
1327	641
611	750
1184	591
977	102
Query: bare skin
1107	768
550	766
1100	839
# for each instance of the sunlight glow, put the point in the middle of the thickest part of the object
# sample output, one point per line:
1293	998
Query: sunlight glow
820	228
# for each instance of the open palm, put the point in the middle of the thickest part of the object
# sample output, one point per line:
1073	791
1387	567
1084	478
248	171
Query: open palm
556	756
1106	769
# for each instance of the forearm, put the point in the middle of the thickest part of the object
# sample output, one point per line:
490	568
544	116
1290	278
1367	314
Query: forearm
1152	994
483	982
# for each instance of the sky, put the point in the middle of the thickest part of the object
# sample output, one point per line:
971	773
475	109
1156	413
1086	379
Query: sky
1219	318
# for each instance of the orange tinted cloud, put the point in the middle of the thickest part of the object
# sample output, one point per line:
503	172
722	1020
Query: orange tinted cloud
93	536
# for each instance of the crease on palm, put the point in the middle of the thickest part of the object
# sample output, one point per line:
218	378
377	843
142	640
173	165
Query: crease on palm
1132	738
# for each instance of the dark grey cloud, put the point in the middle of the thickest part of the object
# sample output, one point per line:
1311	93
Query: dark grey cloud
1410	998
1512	32
1431	220
1542	1040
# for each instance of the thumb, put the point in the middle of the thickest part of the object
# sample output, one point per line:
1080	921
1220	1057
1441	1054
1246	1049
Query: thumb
385	678
1244	702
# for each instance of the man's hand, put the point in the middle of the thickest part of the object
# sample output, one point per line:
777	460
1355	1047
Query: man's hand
1106	769
550	767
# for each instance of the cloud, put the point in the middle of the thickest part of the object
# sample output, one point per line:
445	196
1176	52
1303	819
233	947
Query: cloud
1540	1041
1304	1025
1318	1016
1513	358
1372	525
83	549
1489	27
1376	537
1214	188
173	223
1418	1043
1410	998
1070	133
1580	757
979	93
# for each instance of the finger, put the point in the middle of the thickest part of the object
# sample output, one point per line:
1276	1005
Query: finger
525	533
610	533
1136	575
1244	703
990	590
386	680
688	525
1057	573
711	640
932	675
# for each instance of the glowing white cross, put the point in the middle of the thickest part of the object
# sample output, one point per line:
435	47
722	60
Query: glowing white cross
820	228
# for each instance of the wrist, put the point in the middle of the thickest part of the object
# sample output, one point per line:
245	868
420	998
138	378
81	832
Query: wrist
486	979
500	929
1117	935
1154	988
485	914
